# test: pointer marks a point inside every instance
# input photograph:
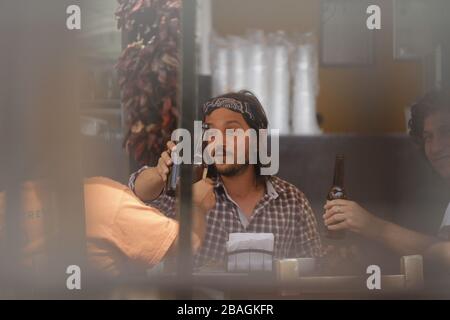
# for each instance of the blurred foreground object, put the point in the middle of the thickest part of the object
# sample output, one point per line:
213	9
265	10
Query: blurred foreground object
410	278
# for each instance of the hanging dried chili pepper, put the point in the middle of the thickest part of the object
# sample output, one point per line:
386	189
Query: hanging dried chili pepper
148	74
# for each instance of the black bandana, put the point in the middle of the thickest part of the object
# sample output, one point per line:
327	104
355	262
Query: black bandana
256	118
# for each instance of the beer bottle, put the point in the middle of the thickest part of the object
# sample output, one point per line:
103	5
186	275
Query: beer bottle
174	175
337	192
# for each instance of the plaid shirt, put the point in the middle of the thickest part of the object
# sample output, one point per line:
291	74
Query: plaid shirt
284	211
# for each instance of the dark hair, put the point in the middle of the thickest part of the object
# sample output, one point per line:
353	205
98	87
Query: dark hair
260	119
430	103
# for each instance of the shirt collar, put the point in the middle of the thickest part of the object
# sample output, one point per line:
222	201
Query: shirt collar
272	187
271	191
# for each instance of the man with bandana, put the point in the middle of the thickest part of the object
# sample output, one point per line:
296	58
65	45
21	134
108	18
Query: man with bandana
238	197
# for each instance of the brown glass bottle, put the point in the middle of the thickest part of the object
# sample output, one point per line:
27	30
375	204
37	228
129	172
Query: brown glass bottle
174	174
172	180
337	191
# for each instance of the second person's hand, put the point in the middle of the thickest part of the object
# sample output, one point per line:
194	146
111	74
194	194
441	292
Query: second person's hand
203	194
344	214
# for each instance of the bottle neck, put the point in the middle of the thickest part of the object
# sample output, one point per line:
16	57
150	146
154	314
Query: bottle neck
338	179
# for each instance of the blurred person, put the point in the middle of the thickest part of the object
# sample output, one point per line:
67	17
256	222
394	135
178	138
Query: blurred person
124	236
122	232
239	198
430	128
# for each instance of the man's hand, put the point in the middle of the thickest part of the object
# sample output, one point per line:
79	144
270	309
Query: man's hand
203	195
165	161
203	199
344	214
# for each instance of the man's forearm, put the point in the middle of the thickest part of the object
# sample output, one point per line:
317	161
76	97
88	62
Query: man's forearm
148	185
402	240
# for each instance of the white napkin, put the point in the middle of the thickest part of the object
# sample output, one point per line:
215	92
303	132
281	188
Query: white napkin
251	261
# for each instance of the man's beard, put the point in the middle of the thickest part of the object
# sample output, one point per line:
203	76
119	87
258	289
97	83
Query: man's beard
231	170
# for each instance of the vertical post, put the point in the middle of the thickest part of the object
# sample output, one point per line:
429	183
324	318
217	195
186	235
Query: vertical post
188	97
204	30
13	151
445	64
42	137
